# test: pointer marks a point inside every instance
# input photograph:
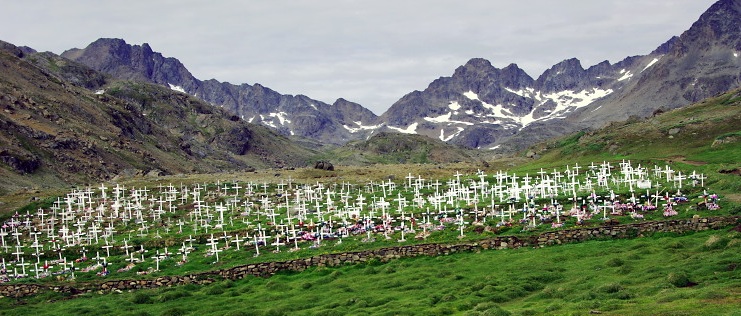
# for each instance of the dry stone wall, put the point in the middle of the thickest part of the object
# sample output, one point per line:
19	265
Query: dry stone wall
267	269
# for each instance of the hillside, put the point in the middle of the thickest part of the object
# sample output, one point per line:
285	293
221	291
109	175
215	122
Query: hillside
395	148
55	131
707	132
290	115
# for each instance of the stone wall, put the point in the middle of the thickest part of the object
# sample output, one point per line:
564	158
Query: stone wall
267	269
502	242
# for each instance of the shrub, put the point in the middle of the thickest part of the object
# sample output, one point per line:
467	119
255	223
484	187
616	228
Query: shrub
611	288
434	299
370	270
552	308
674	245
238	313
448	298
214	290
273	285
141	298
173	295
625	269
614	262
175	311
715	242
679	279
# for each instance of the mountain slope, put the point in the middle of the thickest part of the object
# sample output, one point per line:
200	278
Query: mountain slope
703	62
290	115
485	107
706	132
478	106
55	131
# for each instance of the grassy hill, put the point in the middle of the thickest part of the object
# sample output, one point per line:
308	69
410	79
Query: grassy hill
397	148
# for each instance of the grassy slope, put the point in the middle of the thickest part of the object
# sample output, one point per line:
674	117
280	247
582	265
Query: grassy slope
659	275
395	148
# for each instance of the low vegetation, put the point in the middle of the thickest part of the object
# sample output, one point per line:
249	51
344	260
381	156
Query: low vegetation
660	275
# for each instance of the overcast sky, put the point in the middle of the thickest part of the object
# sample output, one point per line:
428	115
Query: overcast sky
370	52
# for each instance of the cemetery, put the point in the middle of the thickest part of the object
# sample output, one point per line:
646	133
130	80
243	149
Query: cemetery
174	234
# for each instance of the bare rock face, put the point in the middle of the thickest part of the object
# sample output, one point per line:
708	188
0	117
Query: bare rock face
132	62
23	163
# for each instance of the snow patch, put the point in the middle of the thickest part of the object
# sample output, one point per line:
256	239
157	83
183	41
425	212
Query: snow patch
568	100
498	110
627	75
101	91
313	106
471	95
454	106
735	54
361	127
525	93
440	119
651	63
445	139
176	88
411	129
445	118
281	116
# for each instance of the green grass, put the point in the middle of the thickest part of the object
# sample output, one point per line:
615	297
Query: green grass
660	275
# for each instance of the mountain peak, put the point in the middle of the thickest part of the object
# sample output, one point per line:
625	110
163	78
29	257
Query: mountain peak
478	63
133	62
717	26
565	75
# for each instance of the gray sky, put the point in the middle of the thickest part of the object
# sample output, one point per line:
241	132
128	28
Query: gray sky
369	52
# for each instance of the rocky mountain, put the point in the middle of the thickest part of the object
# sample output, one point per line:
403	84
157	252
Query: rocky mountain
484	107
478	106
703	62
290	115
64	123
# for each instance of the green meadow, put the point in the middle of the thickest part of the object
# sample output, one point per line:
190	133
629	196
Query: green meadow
664	274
